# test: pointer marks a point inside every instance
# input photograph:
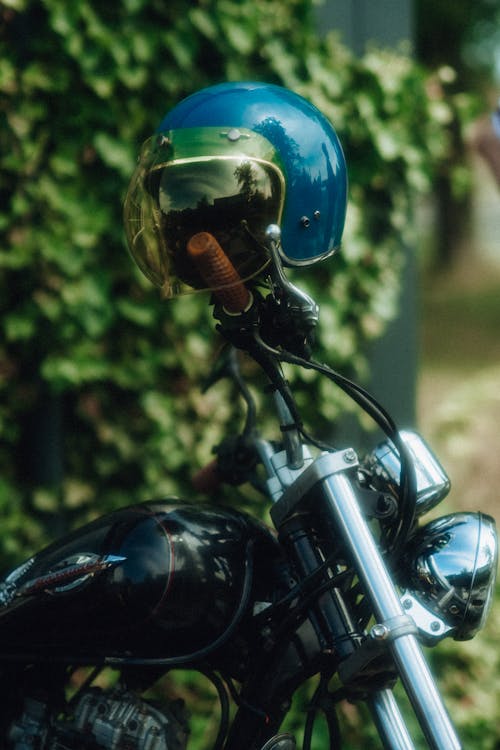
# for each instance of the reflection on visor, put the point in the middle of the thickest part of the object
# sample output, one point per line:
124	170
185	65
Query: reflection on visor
216	182
233	199
201	180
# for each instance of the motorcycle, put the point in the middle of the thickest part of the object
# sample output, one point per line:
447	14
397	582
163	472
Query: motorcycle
241	181
346	588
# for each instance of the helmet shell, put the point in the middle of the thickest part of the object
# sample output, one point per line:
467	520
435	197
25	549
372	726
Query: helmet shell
309	149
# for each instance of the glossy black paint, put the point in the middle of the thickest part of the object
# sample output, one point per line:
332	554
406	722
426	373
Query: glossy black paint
174	589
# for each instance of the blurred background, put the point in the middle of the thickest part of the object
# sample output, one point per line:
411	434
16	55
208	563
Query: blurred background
101	381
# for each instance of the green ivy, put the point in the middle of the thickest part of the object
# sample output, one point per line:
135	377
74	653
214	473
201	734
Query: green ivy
82	85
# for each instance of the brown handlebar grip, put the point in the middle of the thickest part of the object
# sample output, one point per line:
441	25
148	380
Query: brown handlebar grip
207	479
218	272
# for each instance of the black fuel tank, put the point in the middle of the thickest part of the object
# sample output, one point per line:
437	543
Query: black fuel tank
157	580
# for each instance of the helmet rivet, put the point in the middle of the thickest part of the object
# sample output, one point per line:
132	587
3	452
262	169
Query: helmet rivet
305	221
233	134
317	215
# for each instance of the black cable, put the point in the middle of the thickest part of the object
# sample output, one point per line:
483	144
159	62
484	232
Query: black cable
306	592
218	683
242	703
235	374
324	701
309	724
268	358
368	403
304	587
301	610
86	683
332	721
397	536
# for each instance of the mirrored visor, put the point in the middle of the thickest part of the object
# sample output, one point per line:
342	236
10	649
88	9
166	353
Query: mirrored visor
234	196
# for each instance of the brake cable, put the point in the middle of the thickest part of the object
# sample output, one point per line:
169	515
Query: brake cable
407	486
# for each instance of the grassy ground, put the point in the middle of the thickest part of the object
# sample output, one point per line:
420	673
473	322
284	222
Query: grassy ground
459	414
459	382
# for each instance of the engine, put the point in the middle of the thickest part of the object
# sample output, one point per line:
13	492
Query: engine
100	720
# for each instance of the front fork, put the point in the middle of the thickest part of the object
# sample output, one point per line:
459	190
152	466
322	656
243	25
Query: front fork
394	628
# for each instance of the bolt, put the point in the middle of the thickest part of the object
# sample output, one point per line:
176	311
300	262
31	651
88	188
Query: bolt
317	215
350	456
305	221
379	632
407	603
435	626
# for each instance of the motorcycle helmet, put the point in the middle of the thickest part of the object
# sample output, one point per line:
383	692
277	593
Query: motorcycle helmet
231	160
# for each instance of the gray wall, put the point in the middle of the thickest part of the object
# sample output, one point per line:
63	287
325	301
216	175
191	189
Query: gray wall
361	21
394	357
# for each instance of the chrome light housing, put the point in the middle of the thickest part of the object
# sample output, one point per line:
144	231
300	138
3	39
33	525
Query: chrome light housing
432	481
450	569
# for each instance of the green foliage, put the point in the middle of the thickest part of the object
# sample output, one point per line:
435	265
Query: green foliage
461	666
459	33
82	85
94	366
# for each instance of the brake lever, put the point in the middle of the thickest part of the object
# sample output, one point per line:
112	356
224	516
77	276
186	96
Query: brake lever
290	315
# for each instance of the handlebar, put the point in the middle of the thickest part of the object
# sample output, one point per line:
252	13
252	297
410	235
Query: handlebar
218	272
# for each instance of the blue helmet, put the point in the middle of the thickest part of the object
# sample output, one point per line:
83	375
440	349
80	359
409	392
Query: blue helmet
232	159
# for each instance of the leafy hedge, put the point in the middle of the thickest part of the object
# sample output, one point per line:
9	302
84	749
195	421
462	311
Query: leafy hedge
94	368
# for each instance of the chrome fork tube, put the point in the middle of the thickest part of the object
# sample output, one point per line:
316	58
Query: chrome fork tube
391	726
411	665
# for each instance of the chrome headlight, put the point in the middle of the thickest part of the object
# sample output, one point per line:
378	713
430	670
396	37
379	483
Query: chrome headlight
432	481
451	568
